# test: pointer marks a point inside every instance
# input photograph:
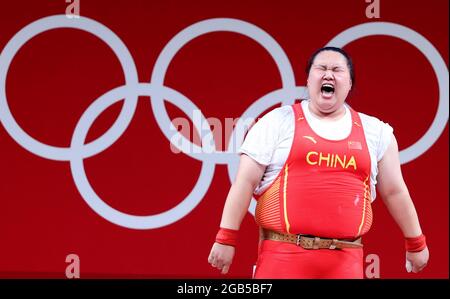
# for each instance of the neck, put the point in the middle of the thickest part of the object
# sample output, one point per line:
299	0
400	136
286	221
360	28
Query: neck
331	115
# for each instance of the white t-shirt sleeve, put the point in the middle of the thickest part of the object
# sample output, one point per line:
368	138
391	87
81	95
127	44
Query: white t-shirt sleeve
262	139
378	136
386	133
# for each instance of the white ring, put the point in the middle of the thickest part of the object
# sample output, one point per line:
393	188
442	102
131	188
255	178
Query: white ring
88	193
61	21
194	31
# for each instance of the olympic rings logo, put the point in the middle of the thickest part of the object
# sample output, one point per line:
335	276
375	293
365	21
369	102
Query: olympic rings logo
79	150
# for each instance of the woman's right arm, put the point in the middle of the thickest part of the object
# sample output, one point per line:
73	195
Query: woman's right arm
238	200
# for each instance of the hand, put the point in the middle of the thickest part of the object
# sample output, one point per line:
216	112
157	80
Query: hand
416	261
221	256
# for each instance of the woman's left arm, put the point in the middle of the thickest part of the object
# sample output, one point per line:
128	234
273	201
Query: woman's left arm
395	195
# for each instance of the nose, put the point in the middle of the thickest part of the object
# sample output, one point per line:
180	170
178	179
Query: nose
328	74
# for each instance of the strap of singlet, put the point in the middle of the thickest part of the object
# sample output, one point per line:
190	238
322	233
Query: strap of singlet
298	111
356	120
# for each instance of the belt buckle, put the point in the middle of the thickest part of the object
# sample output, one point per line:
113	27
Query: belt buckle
313	243
305	244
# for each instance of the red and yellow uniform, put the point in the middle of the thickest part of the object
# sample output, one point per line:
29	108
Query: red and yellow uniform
323	190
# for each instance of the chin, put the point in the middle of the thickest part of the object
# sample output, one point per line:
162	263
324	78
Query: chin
327	102
328	105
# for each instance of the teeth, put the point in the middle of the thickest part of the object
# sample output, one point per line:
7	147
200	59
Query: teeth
327	87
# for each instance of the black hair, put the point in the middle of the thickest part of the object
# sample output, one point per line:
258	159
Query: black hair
335	49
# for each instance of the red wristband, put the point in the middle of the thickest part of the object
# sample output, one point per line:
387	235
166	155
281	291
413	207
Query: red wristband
415	244
227	236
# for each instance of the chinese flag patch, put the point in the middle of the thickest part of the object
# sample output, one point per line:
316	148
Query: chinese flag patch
354	145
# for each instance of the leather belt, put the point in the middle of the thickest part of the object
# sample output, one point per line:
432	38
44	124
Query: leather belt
311	242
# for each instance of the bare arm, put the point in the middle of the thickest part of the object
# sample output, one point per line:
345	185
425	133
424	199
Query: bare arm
236	205
394	192
238	200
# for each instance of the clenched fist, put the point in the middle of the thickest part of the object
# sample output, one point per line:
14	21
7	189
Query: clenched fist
221	256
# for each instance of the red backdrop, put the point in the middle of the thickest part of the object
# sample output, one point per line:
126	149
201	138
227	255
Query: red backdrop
55	76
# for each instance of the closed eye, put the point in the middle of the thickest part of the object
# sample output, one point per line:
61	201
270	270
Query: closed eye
324	68
321	67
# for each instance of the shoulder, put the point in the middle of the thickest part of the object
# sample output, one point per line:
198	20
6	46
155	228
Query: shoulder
278	114
275	119
263	137
378	134
373	124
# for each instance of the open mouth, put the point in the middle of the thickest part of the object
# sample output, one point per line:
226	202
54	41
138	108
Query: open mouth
327	89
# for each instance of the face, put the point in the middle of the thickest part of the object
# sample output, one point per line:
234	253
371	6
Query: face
329	82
